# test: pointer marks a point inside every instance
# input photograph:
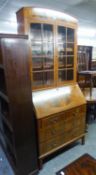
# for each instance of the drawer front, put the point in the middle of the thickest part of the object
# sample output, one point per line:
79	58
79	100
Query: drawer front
60	124
58	119
49	122
51	144
49	133
80	121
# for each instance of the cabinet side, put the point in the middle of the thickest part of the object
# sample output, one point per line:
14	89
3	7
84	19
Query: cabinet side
17	75
22	20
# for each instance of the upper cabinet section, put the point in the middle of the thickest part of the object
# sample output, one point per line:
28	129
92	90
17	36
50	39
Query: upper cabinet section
53	41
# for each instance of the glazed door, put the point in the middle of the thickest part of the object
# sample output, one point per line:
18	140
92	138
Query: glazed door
65	47
42	44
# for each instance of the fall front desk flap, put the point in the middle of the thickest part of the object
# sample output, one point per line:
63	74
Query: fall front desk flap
51	101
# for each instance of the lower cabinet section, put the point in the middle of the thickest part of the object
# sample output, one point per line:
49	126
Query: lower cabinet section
58	130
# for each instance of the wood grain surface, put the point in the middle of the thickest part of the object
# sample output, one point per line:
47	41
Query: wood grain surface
85	165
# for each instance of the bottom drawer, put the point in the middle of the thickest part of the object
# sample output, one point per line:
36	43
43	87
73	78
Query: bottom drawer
52	144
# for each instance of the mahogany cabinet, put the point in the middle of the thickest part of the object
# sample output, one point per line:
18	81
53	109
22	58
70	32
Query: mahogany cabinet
53	46
61	118
17	121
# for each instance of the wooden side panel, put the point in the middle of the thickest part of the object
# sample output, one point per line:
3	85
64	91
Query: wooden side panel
22	19
17	74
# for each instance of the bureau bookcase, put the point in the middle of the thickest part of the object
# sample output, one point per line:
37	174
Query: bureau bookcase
59	104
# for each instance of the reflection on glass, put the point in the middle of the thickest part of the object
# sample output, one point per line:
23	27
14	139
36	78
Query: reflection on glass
37	78
48	49
62	75
48	55
69	74
62	49
62	61
37	63
43	78
35	31
70	49
47	32
36	49
70	35
42	46
61	34
70	61
48	77
48	62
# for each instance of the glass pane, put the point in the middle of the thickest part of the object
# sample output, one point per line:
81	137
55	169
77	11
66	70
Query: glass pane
48	77
48	55
48	49
48	62
47	32
37	63
35	31
37	60
70	61
62	49
62	61
70	74
37	79
61	34
70	49
70	35
36	48
62	75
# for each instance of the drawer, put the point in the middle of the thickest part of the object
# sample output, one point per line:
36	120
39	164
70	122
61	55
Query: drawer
69	125
49	133
59	118
79	131
71	114
72	134
81	120
51	121
68	136
76	111
51	144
